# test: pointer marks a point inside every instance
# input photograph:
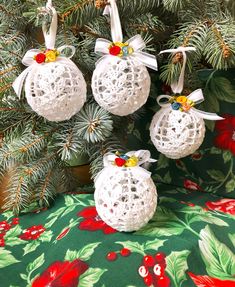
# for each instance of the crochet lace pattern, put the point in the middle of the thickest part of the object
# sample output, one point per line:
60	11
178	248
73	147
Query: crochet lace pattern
125	201
56	90
120	85
176	134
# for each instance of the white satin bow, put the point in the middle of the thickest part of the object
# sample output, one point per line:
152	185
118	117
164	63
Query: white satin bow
50	37
109	167
136	42
177	87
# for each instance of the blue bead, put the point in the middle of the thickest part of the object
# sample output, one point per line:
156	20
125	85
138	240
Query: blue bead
125	51
176	106
124	156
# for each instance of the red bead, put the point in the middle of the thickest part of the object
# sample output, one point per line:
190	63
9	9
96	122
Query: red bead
125	252
148	280
111	256
114	50
40	58
149	261
160	257
120	161
163	281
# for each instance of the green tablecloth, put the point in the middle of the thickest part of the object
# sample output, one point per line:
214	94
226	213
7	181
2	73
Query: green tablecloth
189	242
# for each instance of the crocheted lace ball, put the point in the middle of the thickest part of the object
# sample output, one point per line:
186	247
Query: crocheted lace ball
125	201
56	90
176	134
120	85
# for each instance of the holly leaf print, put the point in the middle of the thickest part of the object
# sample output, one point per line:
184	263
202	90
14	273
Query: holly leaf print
141	248
232	238
197	213
176	264
86	252
46	236
153	244
133	246
219	259
83	254
30	247
206	281
11	238
164	223
90	277
38	262
6	258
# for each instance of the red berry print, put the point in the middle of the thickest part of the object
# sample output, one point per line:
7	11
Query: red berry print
125	252
15	221
159	270
143	271
163	281
4	226
148	260
160	257
111	256
148	280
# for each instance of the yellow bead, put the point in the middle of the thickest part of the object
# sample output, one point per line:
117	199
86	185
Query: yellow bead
181	99
50	56
132	161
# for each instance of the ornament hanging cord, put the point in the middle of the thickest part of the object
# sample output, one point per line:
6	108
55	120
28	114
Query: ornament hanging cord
136	43
50	38
196	97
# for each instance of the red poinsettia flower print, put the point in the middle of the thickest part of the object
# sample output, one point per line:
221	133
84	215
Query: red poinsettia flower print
191	185
92	221
32	233
60	274
225	138
225	205
206	281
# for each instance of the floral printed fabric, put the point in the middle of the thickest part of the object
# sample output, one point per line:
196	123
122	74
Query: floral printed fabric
189	242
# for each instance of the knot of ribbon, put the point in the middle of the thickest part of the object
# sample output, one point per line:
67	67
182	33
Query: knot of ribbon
143	157
53	54
185	103
131	48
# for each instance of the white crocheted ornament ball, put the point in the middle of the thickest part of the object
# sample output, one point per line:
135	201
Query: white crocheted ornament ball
125	201
120	85
56	90
176	134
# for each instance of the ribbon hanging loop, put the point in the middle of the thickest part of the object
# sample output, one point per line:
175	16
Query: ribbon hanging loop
177	87
131	48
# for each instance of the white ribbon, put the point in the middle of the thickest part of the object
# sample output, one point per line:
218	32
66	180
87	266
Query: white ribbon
197	97
50	37
177	87
109	167
136	42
